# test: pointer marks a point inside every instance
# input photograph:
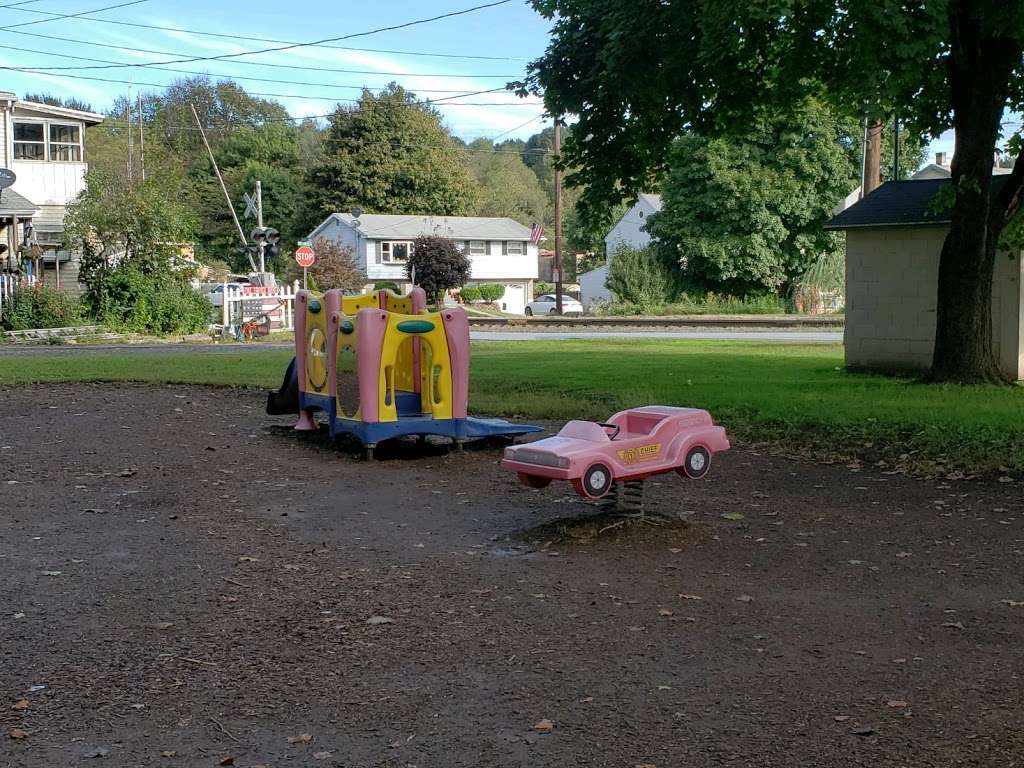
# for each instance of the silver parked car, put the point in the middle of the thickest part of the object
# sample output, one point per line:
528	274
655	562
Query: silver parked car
545	305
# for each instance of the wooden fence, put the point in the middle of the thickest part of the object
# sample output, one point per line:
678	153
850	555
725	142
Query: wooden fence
247	303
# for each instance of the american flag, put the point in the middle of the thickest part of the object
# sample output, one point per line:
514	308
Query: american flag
536	233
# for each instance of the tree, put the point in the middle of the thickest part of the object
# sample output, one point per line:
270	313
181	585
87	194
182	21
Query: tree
271	154
389	154
744	214
335	266
637	75
506	186
637	277
57	101
130	236
437	265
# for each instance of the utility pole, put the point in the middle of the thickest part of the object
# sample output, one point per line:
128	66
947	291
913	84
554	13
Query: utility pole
873	157
142	140
128	119
558	220
259	223
895	149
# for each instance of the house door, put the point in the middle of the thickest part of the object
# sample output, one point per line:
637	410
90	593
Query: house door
514	300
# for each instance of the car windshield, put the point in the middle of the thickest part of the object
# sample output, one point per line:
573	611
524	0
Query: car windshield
546	298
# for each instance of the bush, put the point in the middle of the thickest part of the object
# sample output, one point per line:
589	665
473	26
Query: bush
470	293
143	303
638	277
491	292
708	304
40	306
540	288
387	285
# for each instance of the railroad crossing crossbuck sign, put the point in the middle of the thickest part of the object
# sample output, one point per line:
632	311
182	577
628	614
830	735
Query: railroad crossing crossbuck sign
305	256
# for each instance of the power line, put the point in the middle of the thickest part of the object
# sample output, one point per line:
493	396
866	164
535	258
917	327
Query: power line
311	67
40	70
513	130
443	101
59	16
292	46
247	38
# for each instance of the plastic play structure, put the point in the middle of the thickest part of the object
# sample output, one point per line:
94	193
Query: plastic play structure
411	369
630	446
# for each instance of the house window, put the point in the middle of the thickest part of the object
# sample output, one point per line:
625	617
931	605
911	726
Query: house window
395	251
65	142
515	248
477	247
64	139
29	141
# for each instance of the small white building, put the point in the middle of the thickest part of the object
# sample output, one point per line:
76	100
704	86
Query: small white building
45	148
893	242
630	230
499	249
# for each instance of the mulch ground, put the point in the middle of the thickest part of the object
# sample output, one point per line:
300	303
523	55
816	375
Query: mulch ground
185	581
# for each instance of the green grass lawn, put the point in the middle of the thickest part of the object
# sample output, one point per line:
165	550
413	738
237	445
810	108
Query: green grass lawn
797	396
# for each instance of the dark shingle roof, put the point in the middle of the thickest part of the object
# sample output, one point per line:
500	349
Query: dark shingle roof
11	202
899	204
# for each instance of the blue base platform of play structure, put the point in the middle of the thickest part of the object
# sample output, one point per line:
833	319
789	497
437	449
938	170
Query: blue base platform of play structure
410	422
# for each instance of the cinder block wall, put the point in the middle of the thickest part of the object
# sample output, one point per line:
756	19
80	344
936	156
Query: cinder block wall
891	290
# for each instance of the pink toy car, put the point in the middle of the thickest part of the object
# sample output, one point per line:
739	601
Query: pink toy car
632	445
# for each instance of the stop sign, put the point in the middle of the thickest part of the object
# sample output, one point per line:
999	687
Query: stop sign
305	256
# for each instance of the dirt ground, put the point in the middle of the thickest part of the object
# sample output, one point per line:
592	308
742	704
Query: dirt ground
185	581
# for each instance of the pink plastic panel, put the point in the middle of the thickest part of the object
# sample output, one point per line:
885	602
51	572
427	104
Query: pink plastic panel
371	325
456	329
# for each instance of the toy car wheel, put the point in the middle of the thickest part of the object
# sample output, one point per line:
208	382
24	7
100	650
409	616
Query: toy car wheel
534	481
596	481
697	463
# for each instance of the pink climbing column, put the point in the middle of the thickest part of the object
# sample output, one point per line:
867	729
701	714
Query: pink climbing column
371	325
456	329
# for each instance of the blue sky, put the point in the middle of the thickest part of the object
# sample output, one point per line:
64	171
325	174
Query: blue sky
511	34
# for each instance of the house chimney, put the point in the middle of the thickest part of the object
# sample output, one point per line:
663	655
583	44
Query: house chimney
940	158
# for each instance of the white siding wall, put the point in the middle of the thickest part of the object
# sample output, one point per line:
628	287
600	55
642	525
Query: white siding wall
891	296
629	229
49	183
592	286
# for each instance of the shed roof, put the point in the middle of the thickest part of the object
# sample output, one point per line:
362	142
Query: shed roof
89	118
382	226
900	204
13	204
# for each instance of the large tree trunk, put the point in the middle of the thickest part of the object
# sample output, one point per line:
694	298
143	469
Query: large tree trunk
979	71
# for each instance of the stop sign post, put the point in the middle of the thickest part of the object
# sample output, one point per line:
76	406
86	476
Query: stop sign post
305	257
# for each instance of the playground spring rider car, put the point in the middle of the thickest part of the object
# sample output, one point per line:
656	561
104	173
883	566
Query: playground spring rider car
631	446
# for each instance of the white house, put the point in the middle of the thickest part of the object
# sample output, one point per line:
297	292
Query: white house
500	249
630	230
941	169
44	147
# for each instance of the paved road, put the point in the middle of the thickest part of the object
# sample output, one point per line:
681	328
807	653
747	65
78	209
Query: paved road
713	334
706	334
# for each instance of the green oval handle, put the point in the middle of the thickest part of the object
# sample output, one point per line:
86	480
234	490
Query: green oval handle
415	326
